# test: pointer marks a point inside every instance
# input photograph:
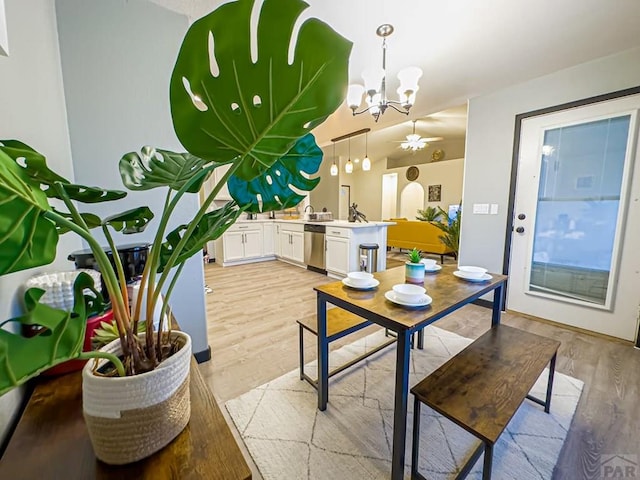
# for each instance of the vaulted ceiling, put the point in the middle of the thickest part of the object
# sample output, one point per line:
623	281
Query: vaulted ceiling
466	48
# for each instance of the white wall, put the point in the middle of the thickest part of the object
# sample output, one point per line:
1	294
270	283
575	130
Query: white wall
32	110
491	122
117	58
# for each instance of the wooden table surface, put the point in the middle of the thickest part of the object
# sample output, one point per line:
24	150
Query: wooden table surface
51	440
447	291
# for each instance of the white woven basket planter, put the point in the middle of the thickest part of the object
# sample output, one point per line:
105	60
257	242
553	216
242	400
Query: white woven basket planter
130	418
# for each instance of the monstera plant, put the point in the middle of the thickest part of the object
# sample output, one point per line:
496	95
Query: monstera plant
242	93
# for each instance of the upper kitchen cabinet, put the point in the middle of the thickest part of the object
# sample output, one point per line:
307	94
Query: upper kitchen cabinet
213	180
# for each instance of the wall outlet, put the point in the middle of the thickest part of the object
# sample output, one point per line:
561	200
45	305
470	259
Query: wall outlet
494	209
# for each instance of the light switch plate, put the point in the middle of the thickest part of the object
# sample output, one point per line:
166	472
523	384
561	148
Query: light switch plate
481	208
494	209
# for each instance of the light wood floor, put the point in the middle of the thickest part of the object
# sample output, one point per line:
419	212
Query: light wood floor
253	335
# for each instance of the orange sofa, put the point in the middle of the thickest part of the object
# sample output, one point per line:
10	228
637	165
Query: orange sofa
424	236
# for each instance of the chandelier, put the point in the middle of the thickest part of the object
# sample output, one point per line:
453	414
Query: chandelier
375	85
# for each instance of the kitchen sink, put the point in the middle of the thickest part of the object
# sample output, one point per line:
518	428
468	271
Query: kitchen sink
319	217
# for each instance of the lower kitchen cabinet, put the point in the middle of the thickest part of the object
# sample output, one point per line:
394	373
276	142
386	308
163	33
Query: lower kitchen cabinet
241	242
292	245
291	242
337	255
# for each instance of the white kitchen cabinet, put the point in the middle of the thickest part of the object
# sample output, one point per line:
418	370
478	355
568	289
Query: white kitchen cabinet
241	242
217	175
268	239
297	240
337	255
253	243
291	242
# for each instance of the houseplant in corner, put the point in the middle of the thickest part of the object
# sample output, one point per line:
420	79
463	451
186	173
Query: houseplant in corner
429	214
451	230
241	93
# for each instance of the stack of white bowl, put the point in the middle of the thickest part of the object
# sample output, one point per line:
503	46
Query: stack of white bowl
58	287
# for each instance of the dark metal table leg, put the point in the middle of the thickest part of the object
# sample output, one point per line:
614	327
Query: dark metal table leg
415	448
497	304
400	405
552	369
488	462
323	354
301	353
421	339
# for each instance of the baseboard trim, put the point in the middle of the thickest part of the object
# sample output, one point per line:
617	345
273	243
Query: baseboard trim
203	356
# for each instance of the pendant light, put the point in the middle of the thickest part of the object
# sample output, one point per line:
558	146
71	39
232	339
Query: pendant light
366	163
348	168
334	167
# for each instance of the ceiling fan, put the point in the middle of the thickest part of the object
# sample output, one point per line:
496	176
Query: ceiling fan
415	142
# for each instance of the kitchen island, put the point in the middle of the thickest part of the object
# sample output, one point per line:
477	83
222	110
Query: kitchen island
260	240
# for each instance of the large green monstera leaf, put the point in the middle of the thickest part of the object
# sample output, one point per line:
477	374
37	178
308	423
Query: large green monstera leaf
152	168
272	190
238	95
27	238
211	227
131	221
35	166
62	338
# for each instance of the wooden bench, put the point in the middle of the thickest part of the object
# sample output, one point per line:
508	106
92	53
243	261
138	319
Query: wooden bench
482	387
339	324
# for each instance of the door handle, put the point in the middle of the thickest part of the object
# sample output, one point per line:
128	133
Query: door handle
520	229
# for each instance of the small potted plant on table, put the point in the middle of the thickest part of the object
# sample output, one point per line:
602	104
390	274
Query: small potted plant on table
414	269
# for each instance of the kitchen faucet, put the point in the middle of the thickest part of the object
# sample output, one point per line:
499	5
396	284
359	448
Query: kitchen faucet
309	206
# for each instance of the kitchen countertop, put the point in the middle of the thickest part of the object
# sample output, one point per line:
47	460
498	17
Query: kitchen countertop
332	223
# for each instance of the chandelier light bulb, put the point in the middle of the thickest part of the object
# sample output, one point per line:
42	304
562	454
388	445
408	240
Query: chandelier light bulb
348	168
334	167
354	96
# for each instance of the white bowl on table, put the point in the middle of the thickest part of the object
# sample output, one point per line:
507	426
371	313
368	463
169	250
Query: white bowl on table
408	293
429	264
360	279
472	272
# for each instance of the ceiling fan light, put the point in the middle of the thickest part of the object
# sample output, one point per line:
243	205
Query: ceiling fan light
354	96
366	164
348	168
414	137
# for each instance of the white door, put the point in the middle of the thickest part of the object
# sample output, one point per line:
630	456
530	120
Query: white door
574	251
389	196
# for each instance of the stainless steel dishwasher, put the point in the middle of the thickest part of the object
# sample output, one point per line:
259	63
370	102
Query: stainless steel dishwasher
314	248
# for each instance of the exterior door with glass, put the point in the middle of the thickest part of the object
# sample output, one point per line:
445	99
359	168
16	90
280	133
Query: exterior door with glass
575	249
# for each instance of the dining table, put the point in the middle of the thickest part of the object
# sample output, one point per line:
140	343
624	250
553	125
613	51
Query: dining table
448	293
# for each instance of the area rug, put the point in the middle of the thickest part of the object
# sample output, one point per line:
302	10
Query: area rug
289	438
